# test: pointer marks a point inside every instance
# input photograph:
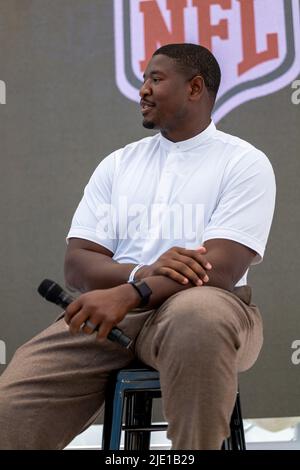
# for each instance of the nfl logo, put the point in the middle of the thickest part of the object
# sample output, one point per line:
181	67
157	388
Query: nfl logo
256	42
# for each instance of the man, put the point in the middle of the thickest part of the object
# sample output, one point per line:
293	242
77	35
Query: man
183	215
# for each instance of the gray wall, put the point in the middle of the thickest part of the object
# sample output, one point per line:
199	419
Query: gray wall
64	113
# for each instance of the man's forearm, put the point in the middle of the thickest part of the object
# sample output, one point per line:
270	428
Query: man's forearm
163	287
87	270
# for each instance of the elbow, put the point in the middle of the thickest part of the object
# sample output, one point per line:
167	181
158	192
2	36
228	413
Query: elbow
221	280
222	285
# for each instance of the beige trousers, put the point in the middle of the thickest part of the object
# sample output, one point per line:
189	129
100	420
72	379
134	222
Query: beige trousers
199	339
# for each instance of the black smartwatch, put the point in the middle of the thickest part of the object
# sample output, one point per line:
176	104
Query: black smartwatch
143	289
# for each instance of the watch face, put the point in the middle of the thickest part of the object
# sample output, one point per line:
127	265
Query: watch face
144	291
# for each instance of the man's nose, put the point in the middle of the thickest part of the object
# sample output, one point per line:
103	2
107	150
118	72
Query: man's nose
145	89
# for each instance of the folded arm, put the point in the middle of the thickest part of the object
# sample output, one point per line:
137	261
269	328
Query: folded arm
229	260
107	307
89	266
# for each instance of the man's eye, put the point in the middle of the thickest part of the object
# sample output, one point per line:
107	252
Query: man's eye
156	80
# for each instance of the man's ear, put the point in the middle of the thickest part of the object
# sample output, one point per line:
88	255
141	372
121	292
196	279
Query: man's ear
197	87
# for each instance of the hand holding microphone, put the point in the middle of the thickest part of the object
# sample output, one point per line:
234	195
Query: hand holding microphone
51	291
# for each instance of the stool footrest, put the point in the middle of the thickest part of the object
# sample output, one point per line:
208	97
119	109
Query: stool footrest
152	427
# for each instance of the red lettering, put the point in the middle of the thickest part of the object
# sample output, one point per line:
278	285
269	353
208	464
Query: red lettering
156	32
251	57
206	30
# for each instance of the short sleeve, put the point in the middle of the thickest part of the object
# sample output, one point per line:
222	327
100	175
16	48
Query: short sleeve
246	204
94	219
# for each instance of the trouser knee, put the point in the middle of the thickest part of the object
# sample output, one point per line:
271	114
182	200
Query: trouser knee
197	326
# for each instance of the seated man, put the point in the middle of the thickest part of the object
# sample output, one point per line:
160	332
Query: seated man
183	214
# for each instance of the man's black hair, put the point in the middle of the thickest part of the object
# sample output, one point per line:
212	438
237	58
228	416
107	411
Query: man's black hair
194	59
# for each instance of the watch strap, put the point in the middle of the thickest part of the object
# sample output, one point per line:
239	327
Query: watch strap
144	291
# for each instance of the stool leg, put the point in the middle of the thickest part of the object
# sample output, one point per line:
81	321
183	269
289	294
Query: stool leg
112	428
108	414
116	417
227	445
107	425
138	411
237	428
236	440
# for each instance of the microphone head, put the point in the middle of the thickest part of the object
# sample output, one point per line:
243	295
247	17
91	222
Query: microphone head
50	290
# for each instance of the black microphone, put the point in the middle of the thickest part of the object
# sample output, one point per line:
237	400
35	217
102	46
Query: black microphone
52	291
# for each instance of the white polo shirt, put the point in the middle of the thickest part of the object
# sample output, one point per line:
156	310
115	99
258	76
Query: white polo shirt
154	194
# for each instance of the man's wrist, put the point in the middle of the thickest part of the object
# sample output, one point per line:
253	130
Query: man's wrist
143	290
133	298
141	273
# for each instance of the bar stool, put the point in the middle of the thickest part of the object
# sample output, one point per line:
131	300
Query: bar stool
130	393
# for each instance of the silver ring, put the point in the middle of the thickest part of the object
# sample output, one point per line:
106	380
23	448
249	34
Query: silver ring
90	325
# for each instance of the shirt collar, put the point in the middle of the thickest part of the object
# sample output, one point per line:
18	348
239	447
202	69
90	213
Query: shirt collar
188	144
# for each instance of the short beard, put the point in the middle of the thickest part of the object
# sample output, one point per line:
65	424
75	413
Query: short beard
148	124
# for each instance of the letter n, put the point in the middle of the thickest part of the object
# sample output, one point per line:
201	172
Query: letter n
156	32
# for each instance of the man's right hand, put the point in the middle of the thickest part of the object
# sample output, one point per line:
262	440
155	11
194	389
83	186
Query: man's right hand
180	264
